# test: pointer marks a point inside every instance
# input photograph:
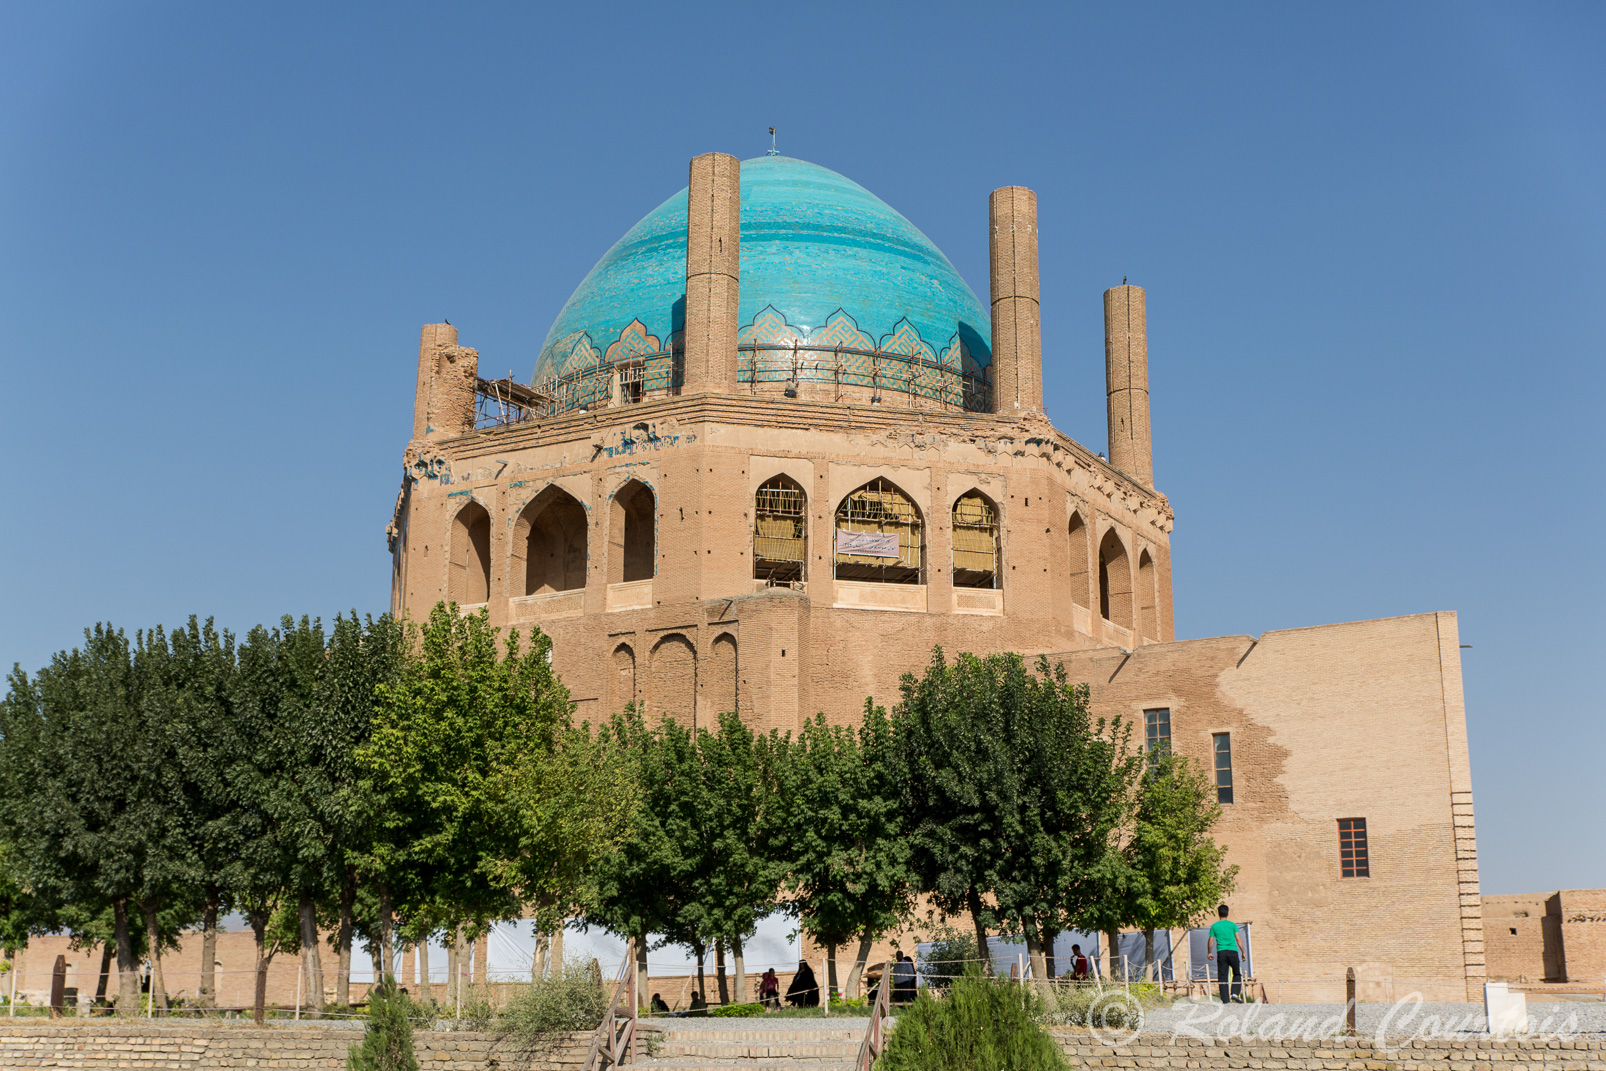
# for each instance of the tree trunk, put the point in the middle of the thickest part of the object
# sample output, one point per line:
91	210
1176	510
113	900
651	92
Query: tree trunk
259	930
348	898
700	950
830	968
460	970
207	996
719	971
386	951
127	966
1034	953
974	904
856	972
740	983
1150	969
642	999
425	990
153	940
1113	939
555	951
311	958
106	950
1049	937
538	961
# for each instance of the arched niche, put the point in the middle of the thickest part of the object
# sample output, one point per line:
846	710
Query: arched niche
1148	597
1115	581
879	536
780	531
469	574
632	534
550	542
975	544
1078	556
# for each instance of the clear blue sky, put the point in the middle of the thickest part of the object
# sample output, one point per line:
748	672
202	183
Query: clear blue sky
1374	240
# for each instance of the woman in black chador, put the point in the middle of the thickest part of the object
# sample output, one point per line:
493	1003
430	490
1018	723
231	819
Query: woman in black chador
804	992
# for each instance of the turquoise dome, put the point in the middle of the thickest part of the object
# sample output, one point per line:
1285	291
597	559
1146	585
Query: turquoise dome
824	262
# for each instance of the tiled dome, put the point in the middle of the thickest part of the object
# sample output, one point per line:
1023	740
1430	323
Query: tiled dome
824	262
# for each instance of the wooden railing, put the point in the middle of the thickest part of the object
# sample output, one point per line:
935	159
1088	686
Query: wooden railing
614	1043
875	1035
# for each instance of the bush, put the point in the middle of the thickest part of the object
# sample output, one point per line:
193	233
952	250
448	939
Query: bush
983	1024
387	1043
1087	1005
953	951
573	1001
736	1011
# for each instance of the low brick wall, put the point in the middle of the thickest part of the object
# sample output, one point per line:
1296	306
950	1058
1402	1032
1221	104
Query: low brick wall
107	1045
1337	1054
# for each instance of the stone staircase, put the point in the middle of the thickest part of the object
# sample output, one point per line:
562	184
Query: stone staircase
751	1044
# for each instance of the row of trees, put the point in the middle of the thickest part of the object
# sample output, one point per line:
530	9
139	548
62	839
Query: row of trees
393	782
371	780
990	791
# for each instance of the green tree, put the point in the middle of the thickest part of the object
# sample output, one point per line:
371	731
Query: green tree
1181	872
846	855
73	814
1014	791
387	1042
464	710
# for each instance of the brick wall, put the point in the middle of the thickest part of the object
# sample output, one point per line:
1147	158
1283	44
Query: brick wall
111	1045
1337	1054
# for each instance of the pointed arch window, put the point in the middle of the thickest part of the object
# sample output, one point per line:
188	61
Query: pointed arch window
470	575
632	537
976	557
878	536
1115	581
780	531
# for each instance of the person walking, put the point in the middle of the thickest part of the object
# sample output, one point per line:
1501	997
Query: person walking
1224	935
903	980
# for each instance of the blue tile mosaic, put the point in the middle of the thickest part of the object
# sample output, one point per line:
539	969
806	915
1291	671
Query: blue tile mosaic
827	267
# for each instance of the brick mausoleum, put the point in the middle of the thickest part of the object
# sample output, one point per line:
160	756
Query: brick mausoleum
774	449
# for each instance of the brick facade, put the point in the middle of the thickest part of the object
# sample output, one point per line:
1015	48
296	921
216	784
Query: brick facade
654	504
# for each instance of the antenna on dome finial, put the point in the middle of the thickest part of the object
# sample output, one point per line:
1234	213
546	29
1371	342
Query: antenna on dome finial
773	150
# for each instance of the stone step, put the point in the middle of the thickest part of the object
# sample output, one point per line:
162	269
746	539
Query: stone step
746	1065
766	1049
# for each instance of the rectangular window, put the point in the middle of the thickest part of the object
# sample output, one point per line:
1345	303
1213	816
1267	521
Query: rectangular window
1223	767
1157	732
1352	848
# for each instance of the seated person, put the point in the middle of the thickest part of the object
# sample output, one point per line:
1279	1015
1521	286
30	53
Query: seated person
699	1006
658	1005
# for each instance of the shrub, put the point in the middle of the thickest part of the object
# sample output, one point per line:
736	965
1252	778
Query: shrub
574	1000
736	1011
953	951
387	1043
983	1024
1088	1005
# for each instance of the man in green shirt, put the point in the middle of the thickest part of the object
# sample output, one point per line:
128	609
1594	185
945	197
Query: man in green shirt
1224	935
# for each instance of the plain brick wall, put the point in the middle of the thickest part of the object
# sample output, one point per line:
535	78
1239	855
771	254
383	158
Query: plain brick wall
111	1045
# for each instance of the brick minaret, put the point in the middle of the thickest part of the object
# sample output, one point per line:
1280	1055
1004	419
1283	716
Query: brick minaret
1126	379
1017	316
444	403
713	272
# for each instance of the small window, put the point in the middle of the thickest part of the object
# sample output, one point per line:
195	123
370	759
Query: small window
1157	732
1352	849
1223	767
632	375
